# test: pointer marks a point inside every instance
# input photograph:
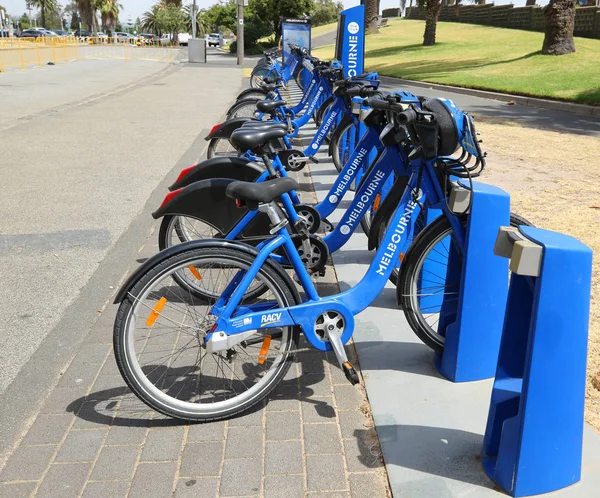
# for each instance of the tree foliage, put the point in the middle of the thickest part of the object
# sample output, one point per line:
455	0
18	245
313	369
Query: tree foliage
171	19
325	12
109	14
201	23
46	7
271	11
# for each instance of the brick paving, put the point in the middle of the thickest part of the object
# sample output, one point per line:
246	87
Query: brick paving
313	436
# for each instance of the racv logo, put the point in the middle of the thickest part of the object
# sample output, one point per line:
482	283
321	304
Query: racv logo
270	319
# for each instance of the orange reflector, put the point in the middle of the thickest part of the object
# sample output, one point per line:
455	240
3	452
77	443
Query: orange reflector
195	272
158	307
262	356
401	257
376	202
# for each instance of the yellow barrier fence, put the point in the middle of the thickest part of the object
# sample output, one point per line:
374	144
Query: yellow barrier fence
31	52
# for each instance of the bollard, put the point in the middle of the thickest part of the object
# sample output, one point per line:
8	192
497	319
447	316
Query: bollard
472	323
533	439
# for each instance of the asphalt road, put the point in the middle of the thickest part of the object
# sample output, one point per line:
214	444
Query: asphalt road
83	146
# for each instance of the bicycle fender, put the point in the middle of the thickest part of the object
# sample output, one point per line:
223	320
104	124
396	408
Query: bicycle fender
226	128
338	131
248	91
386	210
206	200
239	168
169	252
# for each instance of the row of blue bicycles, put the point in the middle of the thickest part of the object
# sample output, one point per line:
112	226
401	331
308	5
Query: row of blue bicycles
210	325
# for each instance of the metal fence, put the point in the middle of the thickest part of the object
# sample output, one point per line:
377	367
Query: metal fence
31	52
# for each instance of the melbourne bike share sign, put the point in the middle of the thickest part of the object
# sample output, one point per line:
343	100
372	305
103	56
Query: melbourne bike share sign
350	41
296	32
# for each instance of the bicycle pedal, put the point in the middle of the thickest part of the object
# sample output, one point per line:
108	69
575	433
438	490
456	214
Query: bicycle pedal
350	373
313	159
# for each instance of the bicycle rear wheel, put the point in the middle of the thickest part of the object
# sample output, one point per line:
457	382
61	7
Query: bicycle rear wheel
220	147
160	329
245	108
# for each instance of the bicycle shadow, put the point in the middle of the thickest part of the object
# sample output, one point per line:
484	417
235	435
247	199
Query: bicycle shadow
119	406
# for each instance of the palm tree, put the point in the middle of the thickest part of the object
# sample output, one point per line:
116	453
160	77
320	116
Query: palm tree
372	15
560	22
45	6
150	20
87	11
431	18
109	14
201	22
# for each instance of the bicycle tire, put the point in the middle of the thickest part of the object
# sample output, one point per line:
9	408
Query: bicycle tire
258	75
245	108
185	229
255	94
408	278
139	380
339	159
220	147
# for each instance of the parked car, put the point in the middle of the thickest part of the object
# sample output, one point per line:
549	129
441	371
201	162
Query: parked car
60	32
81	33
121	37
214	39
31	33
183	38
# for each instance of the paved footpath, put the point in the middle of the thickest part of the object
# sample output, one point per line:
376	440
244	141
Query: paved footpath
313	437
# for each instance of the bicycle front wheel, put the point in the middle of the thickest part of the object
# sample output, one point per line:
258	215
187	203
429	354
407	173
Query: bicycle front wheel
424	281
343	144
160	329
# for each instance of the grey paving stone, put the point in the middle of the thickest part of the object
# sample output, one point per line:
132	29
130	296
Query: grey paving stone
96	414
27	463
254	417
123	434
362	452
334	494
80	376
81	445
284	486
283	425
61	399
48	429
316	385
92	353
105	489
202	487
312	363
153	479
201	459
284	397
64	480
322	439
214	431
115	462
241	477
319	410
372	484
284	457
352	421
163	444
348	397
326	473
17	490
104	384
244	442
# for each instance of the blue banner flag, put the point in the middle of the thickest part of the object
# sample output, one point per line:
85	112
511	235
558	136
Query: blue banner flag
350	42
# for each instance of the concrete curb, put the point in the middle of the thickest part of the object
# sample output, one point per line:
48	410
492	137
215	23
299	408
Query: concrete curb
581	109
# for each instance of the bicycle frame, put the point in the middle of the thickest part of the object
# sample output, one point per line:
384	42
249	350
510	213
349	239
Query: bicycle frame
233	319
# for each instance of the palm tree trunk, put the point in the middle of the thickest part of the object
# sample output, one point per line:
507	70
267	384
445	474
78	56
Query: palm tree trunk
560	22
372	15
431	19
43	15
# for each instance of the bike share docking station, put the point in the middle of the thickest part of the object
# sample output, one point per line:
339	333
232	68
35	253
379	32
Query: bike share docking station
534	434
472	312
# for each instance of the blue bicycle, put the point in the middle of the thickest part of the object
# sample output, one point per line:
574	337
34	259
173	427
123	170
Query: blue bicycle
208	359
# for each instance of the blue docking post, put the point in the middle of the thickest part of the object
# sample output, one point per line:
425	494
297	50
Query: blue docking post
471	318
533	440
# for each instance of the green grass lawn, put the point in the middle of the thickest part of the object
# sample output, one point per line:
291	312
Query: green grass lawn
504	60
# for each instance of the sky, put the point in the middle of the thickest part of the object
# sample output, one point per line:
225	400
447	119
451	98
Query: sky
135	8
